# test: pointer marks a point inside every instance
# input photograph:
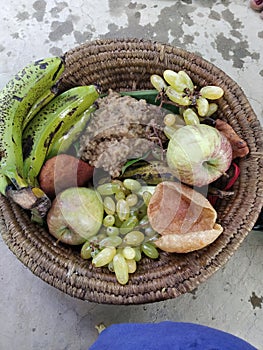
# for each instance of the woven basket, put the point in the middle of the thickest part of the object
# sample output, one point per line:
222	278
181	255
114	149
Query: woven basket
128	64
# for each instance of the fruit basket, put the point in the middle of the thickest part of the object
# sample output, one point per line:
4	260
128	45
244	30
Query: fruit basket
126	64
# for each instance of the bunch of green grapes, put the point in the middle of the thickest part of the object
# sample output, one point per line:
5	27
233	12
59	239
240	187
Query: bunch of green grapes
194	104
126	232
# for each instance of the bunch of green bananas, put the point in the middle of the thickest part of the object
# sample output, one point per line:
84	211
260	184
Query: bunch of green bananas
34	115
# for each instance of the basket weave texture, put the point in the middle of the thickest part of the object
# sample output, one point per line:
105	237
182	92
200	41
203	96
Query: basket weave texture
126	64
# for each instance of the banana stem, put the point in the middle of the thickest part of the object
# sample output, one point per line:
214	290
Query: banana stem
31	198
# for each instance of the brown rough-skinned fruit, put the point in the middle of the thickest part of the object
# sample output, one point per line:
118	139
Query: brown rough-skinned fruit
183	217
63	171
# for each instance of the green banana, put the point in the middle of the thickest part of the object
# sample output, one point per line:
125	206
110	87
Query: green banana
43	100
151	173
64	142
50	124
16	100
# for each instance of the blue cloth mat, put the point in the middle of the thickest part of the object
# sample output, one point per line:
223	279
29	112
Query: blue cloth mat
167	336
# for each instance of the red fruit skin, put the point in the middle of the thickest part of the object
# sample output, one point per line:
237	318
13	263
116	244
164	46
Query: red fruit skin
256	5
63	171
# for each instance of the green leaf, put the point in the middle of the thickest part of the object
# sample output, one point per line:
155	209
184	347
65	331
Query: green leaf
132	161
150	97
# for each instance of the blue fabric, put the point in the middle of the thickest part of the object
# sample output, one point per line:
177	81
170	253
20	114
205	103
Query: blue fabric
167	336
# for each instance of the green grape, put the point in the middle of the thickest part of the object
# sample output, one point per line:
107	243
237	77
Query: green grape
112	231
109	220
149	231
138	254
186	80
119	250
104	257
158	82
120	268
174	80
129	224
142	211
113	241
149	250
190	117
128	253
213	107
122	187
170	76
99	236
178	97
144	221
86	250
132	199
212	92
132	266
169	119
132	185
174	120
123	210
108	189
149	188
202	106
118	182
133	238
146	197
179	81
109	205
118	222
94	252
134	211
169	131
119	244
119	195
110	266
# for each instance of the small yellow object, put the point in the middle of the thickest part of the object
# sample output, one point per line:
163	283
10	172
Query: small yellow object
100	327
212	92
38	192
158	82
169	119
190	117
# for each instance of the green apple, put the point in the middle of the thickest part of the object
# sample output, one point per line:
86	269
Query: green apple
199	154
76	215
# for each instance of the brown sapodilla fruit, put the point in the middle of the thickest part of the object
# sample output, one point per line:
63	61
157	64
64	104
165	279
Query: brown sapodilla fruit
63	171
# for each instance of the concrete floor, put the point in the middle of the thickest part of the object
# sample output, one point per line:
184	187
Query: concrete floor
34	315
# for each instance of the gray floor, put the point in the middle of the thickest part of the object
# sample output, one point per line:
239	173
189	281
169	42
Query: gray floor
34	315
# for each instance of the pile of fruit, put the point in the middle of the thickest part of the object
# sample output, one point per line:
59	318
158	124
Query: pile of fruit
116	220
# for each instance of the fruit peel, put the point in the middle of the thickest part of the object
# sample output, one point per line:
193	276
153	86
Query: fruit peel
183	217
